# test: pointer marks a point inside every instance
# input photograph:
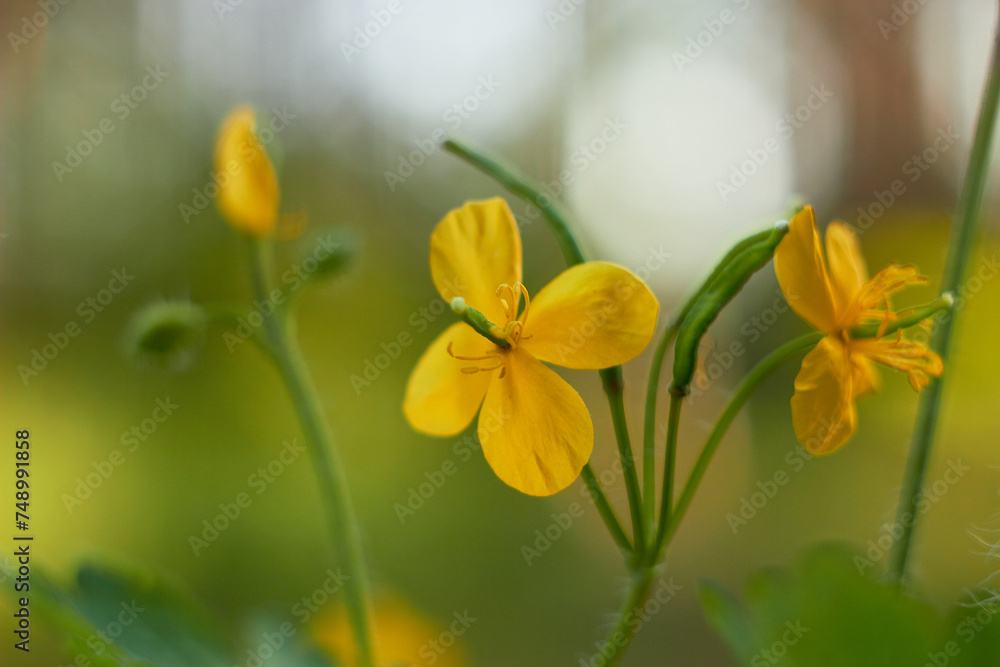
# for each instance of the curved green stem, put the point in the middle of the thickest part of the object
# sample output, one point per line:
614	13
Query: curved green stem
625	627
280	332
963	236
605	510
743	392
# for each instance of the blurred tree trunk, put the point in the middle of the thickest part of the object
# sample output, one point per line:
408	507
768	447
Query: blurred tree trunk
884	110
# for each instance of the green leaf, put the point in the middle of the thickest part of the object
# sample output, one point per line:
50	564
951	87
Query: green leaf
824	613
727	616
151	618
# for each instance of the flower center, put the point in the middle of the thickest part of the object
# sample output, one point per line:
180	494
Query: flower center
872	300
512	332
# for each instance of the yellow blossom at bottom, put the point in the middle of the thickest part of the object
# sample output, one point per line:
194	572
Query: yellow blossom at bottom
401	637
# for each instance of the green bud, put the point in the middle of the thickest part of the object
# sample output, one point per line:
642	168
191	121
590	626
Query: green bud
166	333
333	253
724	283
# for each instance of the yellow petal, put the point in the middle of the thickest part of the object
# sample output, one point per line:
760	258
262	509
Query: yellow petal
802	274
848	272
823	412
865	378
440	399
248	188
400	636
535	429
592	315
474	250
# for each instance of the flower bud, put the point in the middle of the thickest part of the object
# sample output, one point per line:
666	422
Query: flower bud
166	333
249	197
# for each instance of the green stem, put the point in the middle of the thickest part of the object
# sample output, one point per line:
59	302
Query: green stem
625	627
963	237
344	528
743	392
649	426
614	388
605	510
669	464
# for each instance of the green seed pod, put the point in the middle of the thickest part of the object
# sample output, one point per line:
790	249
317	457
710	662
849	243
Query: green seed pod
729	277
166	333
332	254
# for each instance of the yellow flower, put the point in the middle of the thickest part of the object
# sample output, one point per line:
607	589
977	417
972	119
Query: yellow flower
834	294
401	637
248	188
534	428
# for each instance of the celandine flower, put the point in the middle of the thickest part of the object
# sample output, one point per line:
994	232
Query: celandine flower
834	294
248	188
534	428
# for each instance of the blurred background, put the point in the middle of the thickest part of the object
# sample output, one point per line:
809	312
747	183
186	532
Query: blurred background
670	128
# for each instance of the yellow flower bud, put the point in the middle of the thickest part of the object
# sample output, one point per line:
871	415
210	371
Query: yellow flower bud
248	188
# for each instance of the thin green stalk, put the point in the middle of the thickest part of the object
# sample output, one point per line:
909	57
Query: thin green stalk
625	627
963	237
743	392
343	527
649	426
614	388
605	510
669	465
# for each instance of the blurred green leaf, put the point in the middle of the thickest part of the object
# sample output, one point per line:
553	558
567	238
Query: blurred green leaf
727	616
823	612
151	618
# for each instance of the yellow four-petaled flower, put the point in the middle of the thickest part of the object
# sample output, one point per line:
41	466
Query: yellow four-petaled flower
834	294
535	430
